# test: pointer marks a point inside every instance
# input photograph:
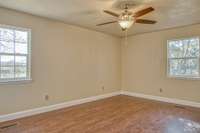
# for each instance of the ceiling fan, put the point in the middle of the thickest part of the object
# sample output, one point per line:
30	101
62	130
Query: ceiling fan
127	18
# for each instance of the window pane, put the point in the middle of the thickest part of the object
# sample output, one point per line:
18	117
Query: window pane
184	67
20	60
20	72
21	36
7	72
192	67
184	48
191	47
7	60
175	49
21	48
6	34
6	47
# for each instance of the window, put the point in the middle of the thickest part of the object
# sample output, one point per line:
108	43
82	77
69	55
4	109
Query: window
183	58
14	54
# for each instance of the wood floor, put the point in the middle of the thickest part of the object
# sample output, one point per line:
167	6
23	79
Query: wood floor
119	114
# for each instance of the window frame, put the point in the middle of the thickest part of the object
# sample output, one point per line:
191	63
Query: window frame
28	55
185	58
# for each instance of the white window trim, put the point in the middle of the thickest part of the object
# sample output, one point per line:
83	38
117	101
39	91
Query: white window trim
168	64
29	70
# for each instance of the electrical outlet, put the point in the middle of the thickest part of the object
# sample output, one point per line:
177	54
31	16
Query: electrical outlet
161	90
46	97
103	88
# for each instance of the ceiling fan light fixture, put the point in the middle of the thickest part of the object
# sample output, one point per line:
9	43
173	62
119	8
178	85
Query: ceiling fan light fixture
126	21
126	24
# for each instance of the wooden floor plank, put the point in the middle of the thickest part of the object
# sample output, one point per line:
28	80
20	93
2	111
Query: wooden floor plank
119	114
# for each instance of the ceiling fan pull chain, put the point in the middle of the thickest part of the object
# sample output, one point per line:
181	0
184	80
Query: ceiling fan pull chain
126	37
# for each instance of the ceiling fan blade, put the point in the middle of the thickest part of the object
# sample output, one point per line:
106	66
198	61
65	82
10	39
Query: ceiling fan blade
107	23
145	21
111	13
143	12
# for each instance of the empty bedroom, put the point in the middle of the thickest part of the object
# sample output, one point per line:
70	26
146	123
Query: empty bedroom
99	66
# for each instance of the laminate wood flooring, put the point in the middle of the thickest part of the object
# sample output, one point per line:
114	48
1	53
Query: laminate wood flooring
118	114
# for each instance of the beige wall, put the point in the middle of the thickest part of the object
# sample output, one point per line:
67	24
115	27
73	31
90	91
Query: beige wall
67	63
144	64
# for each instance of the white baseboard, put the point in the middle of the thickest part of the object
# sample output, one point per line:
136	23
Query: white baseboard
162	99
40	110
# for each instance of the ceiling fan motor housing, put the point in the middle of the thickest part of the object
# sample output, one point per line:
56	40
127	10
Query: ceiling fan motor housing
123	4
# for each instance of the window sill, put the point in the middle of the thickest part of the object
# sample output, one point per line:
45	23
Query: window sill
184	78
15	82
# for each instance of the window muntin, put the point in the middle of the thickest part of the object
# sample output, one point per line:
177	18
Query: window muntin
183	58
14	54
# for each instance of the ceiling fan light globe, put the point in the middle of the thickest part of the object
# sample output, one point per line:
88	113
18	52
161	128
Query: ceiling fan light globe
126	21
125	24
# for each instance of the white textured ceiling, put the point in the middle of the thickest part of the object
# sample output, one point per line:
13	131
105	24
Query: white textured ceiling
88	13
